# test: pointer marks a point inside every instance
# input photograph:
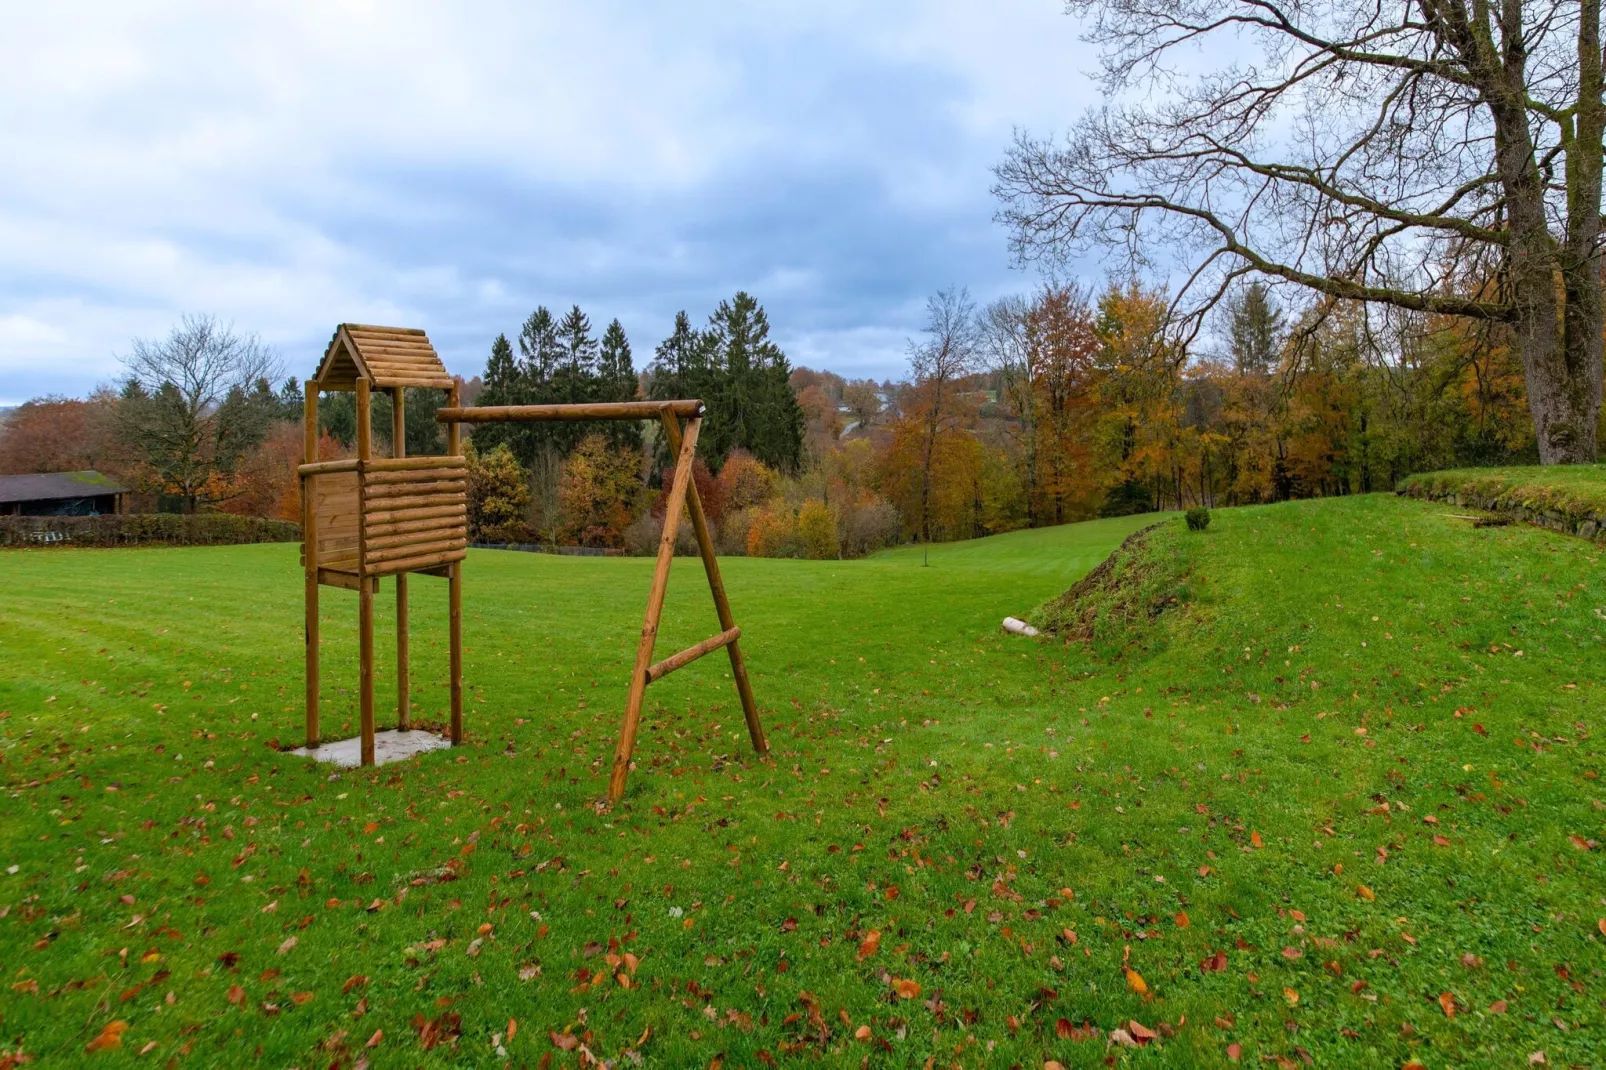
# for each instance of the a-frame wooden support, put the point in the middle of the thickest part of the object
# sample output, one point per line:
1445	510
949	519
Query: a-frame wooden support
682	494
682	440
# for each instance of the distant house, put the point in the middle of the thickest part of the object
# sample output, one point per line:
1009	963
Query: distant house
60	494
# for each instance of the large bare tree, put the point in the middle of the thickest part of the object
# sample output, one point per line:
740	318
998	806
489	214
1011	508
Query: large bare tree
195	403
937	362
1433	156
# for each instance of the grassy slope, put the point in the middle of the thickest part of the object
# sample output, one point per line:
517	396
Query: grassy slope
1572	489
921	761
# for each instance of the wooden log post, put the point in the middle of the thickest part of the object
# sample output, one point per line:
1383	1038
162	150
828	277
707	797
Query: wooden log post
365	587
309	552
398	449
454	589
716	585
655	607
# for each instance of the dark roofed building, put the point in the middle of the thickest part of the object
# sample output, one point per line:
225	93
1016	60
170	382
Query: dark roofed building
60	494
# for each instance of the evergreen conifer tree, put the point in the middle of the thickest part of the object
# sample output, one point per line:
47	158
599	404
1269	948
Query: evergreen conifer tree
1255	327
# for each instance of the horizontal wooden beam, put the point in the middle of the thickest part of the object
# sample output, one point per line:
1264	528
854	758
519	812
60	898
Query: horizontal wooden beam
349	580
602	410
323	468
413	464
691	654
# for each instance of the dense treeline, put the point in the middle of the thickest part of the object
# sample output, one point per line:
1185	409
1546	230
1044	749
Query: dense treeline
1041	408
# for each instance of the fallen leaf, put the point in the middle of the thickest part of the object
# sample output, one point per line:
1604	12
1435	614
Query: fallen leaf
870	945
1181	919
1254	838
1235	1051
1215	963
375	1040
286	947
862	1033
906	989
1497	1007
236	995
1134	981
564	1041
1291	997
110	1038
1447	1003
1365	893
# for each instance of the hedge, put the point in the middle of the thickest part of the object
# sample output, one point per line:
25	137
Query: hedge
144	529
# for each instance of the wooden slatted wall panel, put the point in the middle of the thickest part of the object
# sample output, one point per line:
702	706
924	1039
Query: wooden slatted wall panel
416	518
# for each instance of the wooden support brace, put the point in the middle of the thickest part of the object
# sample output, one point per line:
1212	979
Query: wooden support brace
716	585
655	608
691	654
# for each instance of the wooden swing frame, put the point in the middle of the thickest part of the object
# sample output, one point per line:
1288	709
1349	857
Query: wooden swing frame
682	440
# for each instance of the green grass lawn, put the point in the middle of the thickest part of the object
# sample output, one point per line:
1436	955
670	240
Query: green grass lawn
1578	488
1341	801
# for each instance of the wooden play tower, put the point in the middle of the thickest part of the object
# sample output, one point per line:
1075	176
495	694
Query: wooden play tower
370	516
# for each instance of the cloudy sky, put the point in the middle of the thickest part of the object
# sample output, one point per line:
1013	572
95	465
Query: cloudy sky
450	166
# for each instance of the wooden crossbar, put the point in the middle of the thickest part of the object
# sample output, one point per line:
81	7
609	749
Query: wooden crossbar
692	653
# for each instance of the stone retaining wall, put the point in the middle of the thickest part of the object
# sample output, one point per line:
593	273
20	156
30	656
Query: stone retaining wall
1584	524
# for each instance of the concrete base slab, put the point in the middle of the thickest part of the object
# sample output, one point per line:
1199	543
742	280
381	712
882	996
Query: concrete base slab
390	746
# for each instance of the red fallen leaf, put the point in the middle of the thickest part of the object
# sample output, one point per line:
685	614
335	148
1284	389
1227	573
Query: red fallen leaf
1441	841
1181	919
1413	1065
1254	838
1357	986
891	892
1204	871
906	989
301	999
1235	1051
870	945
1140	1032
109	1038
1063	1028
1447	1004
1215	963
356	980
1601	925
237	995
1581	843
375	1040
1292	953
1478	728
787	926
564	1042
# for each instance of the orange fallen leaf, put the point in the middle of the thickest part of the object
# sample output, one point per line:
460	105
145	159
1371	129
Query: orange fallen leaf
110	1038
871	944
1235	1051
1134	981
1291	997
375	1040
236	995
1181	918
1447	1003
512	1028
1254	838
1365	893
906	989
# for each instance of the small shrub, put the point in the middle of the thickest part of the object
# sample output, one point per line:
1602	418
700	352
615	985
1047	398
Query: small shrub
816	531
1198	518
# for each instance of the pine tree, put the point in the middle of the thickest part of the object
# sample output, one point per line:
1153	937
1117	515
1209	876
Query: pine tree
616	375
1255	328
538	343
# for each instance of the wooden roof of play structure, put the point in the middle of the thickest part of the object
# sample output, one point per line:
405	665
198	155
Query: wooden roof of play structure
385	356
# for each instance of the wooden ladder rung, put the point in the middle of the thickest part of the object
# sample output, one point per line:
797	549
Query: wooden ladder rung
691	654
